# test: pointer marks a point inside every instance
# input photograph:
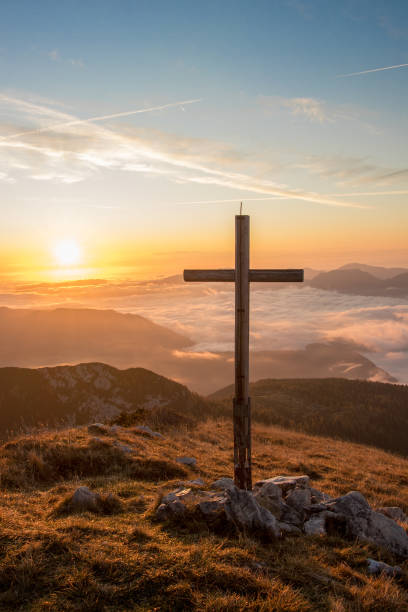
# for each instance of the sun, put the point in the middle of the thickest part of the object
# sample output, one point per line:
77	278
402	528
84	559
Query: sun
67	252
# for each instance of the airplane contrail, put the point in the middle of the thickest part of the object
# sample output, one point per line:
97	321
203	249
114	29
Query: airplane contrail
56	126
317	198
234	200
339	76
370	193
282	197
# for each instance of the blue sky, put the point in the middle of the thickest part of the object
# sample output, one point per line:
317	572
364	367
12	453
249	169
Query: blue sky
273	118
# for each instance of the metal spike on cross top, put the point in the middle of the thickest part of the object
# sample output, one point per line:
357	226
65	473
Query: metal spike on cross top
242	275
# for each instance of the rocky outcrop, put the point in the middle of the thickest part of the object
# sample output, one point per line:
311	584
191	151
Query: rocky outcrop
286	505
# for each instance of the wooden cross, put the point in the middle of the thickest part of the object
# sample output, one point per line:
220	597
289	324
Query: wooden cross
242	276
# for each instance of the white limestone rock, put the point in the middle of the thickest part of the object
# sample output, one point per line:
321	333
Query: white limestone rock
269	495
299	498
242	509
366	524
181	494
212	508
378	567
83	500
145	430
170	510
288	529
98	428
319	497
394	512
286	483
189	461
223	483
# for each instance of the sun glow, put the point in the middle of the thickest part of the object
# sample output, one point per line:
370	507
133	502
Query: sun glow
67	252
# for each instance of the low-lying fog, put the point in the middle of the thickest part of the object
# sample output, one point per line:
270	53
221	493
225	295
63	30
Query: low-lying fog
288	317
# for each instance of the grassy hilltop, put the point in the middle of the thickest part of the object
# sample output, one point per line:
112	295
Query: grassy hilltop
121	559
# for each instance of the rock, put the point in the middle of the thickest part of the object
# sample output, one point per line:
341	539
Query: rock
84	500
190	461
318	496
181	495
269	495
125	448
198	482
117	429
299	499
145	430
286	483
223	483
316	525
324	523
170	510
385	532
378	567
291	515
288	529
242	509
394	512
313	508
366	524
98	428
212	508
352	504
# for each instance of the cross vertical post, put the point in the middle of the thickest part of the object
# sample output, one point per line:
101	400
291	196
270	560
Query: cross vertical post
241	405
242	276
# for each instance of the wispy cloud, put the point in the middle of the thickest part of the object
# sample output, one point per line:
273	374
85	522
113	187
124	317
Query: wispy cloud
71	123
355	194
394	31
310	108
320	111
54	55
75	148
77	62
350	74
353	171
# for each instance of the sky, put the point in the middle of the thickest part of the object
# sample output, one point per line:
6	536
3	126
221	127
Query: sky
131	130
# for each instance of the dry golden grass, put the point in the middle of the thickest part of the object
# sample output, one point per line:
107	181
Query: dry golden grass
124	560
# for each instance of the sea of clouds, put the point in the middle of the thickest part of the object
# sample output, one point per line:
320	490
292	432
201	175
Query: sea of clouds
288	317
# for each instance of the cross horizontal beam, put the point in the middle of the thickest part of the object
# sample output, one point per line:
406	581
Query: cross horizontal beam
255	276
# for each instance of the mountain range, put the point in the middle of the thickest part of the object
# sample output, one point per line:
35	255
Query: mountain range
356	410
33	337
360	281
84	393
377	271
